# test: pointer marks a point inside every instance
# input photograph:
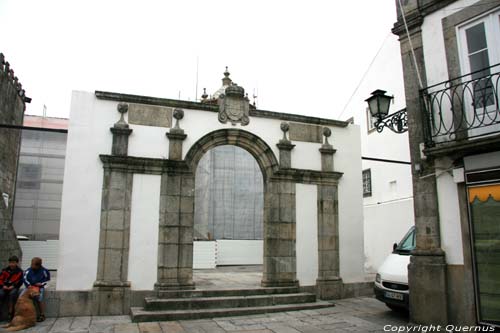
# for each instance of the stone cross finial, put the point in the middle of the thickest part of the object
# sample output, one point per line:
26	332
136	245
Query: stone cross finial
285	128
178	115
122	108
327	133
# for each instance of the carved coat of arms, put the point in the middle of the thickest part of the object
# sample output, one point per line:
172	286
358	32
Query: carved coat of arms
234	106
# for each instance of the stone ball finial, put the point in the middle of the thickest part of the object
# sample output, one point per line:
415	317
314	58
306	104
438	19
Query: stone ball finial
285	127
178	114
327	132
122	108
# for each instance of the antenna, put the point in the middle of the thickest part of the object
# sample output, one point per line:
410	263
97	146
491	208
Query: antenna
196	91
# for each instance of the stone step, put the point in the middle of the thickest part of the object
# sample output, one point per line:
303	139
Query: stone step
195	303
226	292
141	315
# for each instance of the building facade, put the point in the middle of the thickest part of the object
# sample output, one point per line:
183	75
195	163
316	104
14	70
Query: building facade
450	55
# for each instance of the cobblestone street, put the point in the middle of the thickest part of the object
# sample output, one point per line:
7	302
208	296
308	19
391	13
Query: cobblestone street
362	314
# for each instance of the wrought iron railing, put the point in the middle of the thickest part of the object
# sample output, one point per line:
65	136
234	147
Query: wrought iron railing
462	108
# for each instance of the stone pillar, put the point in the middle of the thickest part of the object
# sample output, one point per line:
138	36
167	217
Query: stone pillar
329	283
279	235
285	147
112	288
175	241
175	137
427	268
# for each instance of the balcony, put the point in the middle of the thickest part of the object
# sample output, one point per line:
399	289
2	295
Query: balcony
463	110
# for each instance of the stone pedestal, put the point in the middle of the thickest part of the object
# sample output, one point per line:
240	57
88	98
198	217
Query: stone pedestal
285	147
427	279
120	140
329	288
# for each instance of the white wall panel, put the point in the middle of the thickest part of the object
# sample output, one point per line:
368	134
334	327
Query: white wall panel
144	220
307	234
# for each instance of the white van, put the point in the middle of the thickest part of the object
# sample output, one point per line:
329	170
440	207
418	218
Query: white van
391	281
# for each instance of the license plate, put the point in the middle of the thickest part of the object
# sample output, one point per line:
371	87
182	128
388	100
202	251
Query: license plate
392	295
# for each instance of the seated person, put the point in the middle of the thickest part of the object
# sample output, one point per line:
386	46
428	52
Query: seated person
11	279
37	276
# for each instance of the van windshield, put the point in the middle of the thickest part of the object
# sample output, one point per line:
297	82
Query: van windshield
407	244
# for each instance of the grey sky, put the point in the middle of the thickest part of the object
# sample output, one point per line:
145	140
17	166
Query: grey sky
300	56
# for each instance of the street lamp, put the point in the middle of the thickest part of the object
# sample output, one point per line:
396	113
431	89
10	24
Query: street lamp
379	104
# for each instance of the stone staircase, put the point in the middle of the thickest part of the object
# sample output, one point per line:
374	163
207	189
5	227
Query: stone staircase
198	304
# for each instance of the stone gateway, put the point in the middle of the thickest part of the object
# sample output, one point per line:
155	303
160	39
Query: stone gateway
128	197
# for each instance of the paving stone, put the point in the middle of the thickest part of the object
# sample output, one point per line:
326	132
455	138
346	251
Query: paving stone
171	327
81	323
62	324
126	328
149	328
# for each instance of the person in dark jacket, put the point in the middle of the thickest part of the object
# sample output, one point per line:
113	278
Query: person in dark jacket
37	276
11	279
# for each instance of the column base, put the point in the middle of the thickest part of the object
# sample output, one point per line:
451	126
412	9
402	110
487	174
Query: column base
427	282
161	286
110	298
329	288
278	283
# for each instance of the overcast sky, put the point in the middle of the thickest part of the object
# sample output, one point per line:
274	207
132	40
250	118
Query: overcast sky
304	57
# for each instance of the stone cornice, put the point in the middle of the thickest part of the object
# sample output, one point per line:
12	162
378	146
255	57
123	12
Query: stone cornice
415	18
308	176
214	108
143	165
157	166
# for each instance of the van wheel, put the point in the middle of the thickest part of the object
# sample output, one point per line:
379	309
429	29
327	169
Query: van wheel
396	308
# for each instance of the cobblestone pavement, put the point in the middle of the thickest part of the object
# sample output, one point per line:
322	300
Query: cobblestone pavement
363	314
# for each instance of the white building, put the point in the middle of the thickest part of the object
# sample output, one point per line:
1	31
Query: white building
387	185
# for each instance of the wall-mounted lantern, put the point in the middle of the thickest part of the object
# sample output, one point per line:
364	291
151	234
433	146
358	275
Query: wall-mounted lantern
379	104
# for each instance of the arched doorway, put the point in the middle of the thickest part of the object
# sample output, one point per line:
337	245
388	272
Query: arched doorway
175	260
228	219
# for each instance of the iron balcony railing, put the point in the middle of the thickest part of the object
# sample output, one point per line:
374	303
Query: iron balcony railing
466	107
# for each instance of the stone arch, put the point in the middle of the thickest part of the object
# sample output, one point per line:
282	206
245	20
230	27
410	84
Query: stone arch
253	144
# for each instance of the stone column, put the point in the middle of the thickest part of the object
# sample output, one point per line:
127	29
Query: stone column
329	283
427	268
175	241
285	147
112	288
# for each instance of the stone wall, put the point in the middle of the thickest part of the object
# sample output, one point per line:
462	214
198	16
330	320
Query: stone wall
12	106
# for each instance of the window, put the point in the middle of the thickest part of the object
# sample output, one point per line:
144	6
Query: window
370	121
29	176
479	50
367	183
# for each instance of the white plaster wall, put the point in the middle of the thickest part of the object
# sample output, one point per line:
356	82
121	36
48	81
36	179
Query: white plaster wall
347	160
436	68
88	136
306	197
385	224
144	223
148	141
449	213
